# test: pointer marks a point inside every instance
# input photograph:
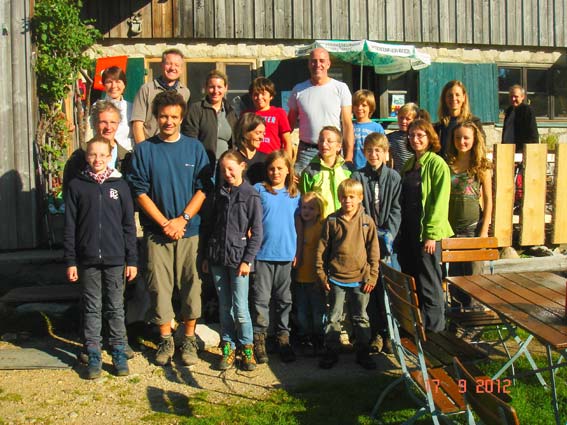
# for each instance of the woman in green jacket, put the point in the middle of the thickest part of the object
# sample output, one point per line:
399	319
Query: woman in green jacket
426	187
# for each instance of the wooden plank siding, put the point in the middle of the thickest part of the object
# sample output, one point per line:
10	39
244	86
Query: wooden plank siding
18	194
464	22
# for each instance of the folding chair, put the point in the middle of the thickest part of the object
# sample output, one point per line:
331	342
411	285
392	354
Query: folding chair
459	250
480	397
430	387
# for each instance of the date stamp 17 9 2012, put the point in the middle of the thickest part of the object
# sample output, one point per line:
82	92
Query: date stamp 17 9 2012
481	385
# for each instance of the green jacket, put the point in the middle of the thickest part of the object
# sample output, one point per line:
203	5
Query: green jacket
317	177
435	193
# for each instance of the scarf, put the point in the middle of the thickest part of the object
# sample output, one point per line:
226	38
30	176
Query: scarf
164	85
100	177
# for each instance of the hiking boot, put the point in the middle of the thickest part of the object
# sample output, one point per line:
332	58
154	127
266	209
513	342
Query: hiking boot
284	347
228	356
387	347
165	350
329	359
260	348
363	358
94	364
83	355
189	350
247	360
271	344
318	345
128	351
377	344
120	360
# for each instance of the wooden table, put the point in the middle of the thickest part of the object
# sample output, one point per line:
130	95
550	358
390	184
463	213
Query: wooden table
533	301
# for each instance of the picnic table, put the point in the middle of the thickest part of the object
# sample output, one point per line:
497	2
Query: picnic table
532	301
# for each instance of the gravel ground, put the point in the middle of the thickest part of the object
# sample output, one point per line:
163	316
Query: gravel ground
62	396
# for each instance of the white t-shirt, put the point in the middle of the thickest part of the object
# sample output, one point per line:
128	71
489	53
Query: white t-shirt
318	106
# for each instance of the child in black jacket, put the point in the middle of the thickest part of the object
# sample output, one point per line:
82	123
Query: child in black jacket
100	247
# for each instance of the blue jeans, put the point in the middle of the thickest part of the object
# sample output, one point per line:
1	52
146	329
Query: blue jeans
357	303
305	153
103	295
234	315
272	283
309	303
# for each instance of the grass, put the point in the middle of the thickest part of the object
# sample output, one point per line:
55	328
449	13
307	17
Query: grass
329	403
347	402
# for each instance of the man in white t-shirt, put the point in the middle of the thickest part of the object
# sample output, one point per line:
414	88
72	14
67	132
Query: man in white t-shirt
318	102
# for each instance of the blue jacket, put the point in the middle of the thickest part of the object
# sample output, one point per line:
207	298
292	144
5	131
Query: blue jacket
233	233
99	223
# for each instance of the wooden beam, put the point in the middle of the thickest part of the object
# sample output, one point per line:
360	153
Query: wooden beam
533	203
503	193
559	213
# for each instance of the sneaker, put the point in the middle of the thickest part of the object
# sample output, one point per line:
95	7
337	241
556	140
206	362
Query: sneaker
387	347
189	350
247	360
94	365
377	344
165	350
284	347
120	360
228	356
363	358
260	348
329	359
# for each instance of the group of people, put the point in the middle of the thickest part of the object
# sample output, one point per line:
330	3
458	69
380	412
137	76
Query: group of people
301	234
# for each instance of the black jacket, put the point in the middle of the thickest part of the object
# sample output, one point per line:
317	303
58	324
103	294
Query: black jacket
228	241
77	163
524	126
201	123
99	223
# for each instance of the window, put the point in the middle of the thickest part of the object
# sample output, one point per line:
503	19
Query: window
546	89
239	74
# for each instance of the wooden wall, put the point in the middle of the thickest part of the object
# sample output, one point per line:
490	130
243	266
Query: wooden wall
18	208
467	22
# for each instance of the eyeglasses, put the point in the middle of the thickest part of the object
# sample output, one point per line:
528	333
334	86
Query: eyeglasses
417	136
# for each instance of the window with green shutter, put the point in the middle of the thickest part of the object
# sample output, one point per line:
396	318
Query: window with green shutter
481	81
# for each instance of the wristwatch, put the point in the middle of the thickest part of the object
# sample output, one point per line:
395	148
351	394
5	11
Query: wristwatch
186	216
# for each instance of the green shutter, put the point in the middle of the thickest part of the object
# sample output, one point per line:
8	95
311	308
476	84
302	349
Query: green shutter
481	81
135	74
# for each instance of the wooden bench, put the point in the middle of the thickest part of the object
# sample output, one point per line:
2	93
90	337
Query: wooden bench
487	398
425	359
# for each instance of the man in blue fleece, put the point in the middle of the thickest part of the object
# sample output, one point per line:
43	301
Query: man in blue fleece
170	178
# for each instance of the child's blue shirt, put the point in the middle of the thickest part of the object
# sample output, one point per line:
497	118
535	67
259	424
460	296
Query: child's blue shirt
280	238
361	130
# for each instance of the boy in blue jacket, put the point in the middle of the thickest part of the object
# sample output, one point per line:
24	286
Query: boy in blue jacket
100	249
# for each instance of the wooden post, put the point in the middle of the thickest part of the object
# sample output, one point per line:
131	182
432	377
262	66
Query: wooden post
559	213
533	206
503	193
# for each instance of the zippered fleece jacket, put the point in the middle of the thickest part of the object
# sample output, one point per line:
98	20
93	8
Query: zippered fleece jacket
99	223
435	194
348	250
324	180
